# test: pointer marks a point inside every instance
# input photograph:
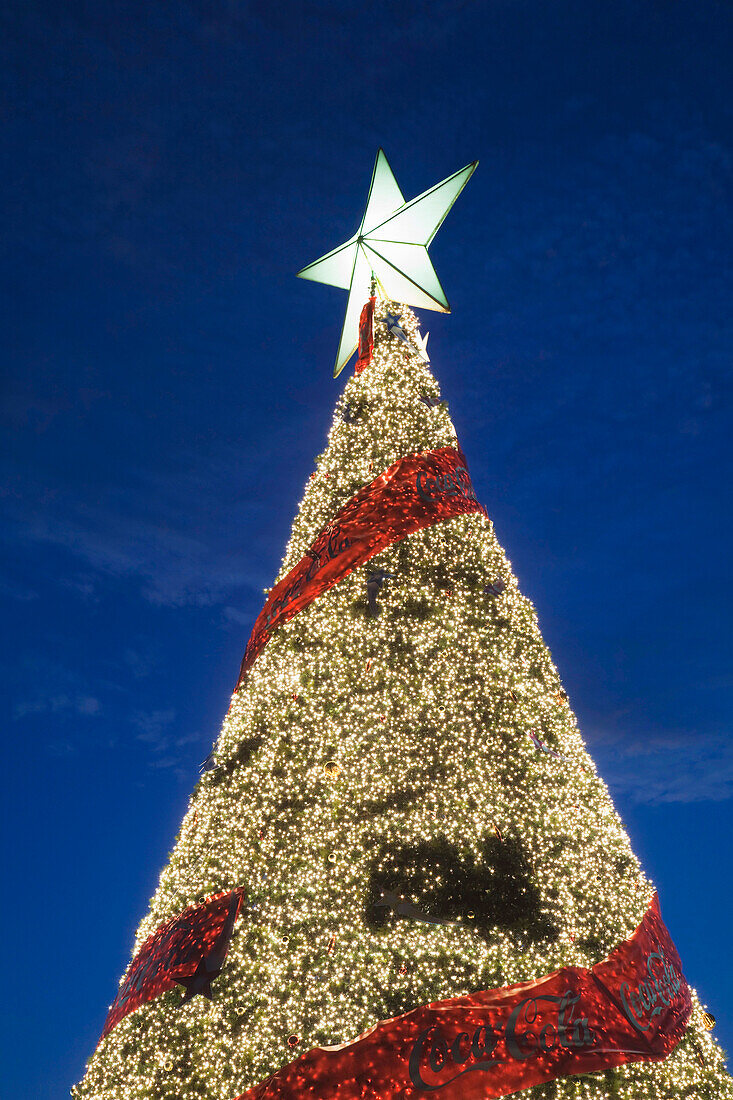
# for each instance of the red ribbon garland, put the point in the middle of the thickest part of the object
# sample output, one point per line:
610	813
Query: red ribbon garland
414	492
631	1007
174	951
366	337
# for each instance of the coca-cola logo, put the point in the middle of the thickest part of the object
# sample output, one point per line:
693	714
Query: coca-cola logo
456	483
642	1002
536	1026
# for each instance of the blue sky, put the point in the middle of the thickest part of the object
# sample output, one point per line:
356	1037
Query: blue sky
167	383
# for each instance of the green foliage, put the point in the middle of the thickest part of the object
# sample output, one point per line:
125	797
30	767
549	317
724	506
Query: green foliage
400	800
548	1091
358	410
592	946
242	756
440	576
294	803
398	645
558	845
494	893
414	608
398	1001
360	608
245	752
614	1082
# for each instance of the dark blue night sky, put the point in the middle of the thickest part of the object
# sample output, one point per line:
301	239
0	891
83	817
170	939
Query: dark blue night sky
167	384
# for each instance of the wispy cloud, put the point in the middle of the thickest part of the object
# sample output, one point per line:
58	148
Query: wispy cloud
621	262
82	586
86	705
16	591
233	615
140	661
156	730
171	532
678	767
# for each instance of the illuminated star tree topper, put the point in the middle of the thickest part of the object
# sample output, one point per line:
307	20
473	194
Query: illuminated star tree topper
390	245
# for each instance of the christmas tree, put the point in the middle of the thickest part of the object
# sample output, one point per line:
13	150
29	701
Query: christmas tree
399	812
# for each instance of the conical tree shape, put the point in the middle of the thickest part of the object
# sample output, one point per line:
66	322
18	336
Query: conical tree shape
367	757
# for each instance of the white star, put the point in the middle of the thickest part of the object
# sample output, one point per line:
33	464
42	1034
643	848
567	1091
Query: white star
392	321
390	244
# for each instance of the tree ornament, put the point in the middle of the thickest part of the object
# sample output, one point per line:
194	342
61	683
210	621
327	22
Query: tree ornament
430	402
199	982
332	769
542	747
495	588
394	327
293	1041
374	583
208	764
365	350
708	1020
403	908
210	966
389	246
421	346
392	322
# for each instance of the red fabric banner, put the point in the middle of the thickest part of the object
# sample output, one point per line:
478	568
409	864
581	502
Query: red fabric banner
366	337
175	951
632	1007
414	492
